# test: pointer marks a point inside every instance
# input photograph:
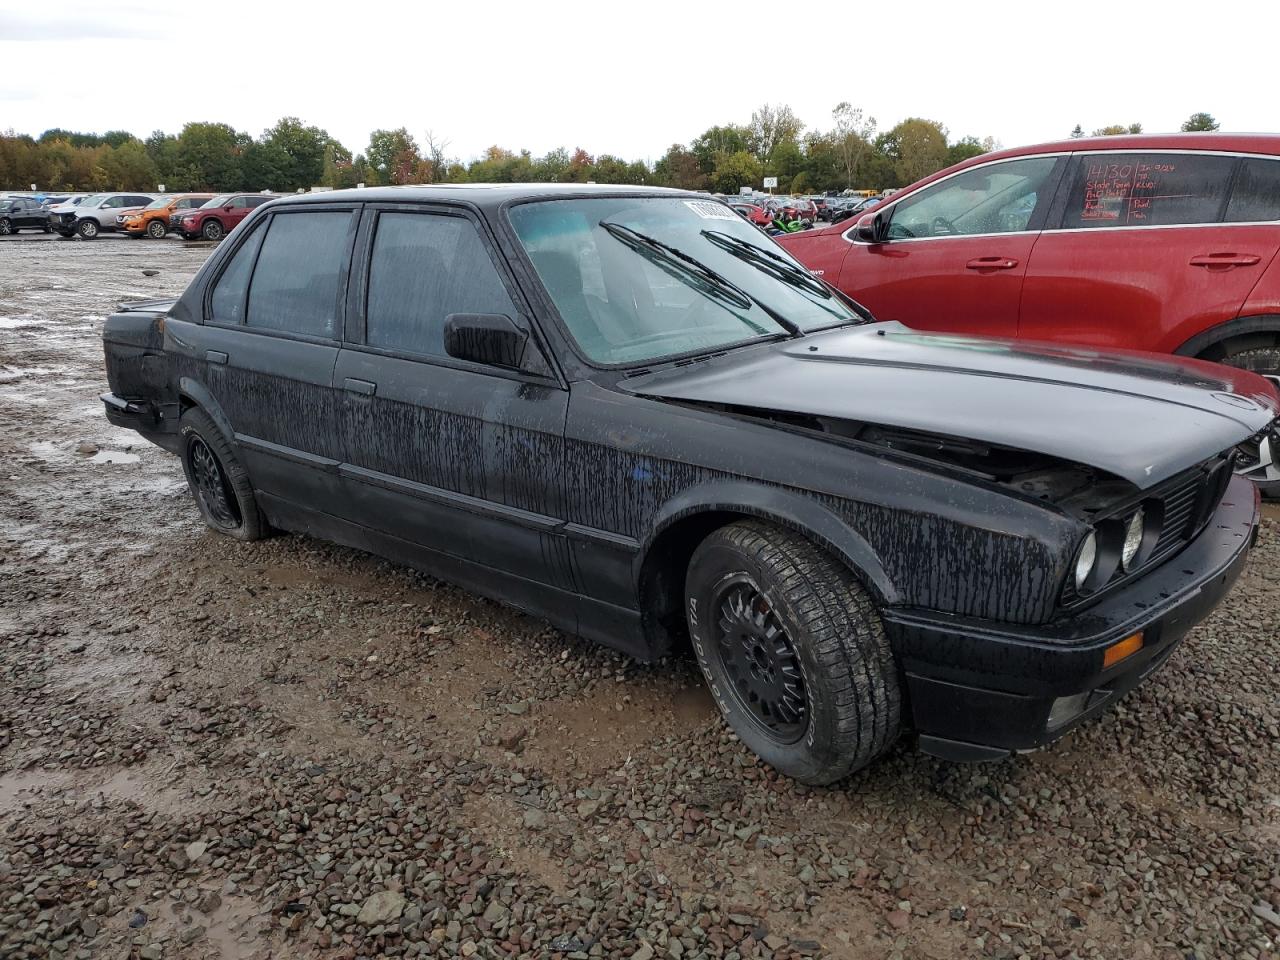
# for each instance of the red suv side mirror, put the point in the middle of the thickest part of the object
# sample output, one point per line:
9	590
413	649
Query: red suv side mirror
870	228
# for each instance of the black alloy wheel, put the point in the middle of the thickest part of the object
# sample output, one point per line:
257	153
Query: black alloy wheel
760	661
211	485
212	230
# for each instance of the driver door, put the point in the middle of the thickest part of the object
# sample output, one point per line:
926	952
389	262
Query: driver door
956	251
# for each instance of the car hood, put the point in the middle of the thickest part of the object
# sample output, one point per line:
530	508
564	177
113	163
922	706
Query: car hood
1139	416
130	211
63	208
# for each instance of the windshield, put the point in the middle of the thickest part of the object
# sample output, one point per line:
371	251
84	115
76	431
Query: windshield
219	201
93	201
159	204
640	278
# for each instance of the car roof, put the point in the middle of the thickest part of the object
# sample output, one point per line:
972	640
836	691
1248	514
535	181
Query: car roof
483	195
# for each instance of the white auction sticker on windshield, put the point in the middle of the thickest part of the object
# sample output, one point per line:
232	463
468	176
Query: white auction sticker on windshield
710	211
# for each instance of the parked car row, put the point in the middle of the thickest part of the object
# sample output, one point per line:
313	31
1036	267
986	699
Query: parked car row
193	215
628	411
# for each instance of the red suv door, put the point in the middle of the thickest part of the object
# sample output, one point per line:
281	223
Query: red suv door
1139	256
953	254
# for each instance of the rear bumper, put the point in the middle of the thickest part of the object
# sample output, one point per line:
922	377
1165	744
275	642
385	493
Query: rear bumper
980	690
159	424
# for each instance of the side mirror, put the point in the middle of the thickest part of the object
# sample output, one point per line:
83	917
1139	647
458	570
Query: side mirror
489	338
227	208
870	228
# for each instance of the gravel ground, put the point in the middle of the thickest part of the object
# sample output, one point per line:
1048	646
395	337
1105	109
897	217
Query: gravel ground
290	749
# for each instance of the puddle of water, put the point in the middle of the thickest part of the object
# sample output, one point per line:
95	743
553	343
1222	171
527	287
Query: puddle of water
17	323
114	456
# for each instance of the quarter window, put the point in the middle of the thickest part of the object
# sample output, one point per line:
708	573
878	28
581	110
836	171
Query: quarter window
1147	189
295	284
424	268
227	302
994	198
1256	195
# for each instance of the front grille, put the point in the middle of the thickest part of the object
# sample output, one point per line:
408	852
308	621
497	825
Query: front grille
1183	504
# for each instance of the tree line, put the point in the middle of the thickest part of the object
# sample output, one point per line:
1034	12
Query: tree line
850	153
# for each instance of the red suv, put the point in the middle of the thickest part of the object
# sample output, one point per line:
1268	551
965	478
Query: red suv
1164	243
216	218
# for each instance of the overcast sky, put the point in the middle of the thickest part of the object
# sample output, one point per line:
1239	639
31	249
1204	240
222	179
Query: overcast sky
539	75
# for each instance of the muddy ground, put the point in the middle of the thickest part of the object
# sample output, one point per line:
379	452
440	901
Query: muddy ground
287	749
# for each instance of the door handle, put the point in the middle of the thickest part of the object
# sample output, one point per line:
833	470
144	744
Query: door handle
216	356
362	387
1224	260
991	263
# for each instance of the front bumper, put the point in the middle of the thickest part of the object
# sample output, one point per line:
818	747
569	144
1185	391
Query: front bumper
980	690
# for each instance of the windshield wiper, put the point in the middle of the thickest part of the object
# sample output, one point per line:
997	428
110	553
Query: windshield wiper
778	266
709	279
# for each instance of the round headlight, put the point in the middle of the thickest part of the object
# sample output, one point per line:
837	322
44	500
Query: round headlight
1133	531
1086	559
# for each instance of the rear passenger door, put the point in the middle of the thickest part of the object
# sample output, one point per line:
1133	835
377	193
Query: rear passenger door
462	459
274	319
1139	252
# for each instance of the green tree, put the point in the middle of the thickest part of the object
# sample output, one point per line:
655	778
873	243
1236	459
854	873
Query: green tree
770	127
719	142
736	170
851	137
679	167
392	156
1199	122
128	166
209	155
297	152
964	149
917	147
1116	130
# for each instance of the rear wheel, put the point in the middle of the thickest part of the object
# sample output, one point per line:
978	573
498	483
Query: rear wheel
212	230
217	480
794	651
156	229
87	228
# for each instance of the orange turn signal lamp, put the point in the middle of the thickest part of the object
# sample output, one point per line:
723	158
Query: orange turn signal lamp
1122	649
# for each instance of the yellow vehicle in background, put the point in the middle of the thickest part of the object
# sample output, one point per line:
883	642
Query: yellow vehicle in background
153	219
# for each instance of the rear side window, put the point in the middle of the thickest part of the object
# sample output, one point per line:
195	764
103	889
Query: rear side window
227	303
1256	195
1147	189
295	284
424	268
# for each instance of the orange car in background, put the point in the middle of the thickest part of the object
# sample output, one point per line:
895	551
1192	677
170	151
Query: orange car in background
153	219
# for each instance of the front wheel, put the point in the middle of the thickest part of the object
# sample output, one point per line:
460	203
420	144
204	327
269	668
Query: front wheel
217	480
794	651
212	230
87	228
156	230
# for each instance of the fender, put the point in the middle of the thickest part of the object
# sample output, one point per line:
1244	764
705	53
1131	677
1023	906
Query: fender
199	395
787	508
1267	323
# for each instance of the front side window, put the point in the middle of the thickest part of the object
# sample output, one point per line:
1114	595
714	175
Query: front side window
230	290
994	198
1256	195
640	278
295	283
112	203
1147	190
425	267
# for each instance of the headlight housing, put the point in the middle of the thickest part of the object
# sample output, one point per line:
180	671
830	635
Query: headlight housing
1086	559
1134	529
